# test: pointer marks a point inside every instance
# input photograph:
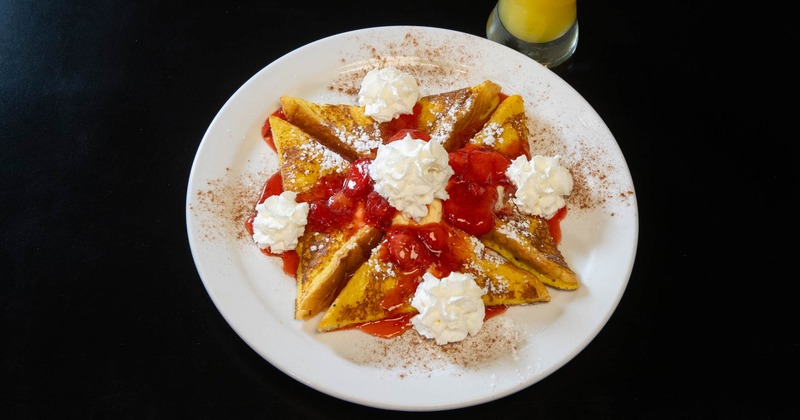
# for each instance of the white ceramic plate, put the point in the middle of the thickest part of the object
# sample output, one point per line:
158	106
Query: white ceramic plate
514	350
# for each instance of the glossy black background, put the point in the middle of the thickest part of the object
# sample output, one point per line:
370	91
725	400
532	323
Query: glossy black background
104	103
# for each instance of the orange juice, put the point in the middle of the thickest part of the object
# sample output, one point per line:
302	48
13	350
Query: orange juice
537	20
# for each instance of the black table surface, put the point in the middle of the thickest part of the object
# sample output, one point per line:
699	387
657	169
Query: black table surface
104	103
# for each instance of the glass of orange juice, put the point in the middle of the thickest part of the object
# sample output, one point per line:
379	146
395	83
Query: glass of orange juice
545	30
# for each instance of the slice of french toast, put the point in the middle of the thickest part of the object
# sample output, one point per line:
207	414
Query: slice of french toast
453	117
303	160
344	129
361	299
526	241
506	283
326	259
506	131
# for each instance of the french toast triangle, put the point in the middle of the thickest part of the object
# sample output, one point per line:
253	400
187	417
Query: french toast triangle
507	129
379	283
344	129
302	159
361	299
453	117
506	283
526	241
326	259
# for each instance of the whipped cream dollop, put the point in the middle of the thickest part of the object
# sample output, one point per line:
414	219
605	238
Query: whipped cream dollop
542	183
388	93
280	220
410	174
450	309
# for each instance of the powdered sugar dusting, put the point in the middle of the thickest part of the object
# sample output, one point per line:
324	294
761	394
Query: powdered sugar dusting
359	139
332	161
493	133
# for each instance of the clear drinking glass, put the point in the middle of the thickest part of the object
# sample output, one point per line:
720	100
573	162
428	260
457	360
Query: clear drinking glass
544	30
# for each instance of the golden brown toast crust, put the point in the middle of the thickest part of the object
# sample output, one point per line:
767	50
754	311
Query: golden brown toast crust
506	284
344	129
303	160
326	262
527	242
453	117
361	300
507	129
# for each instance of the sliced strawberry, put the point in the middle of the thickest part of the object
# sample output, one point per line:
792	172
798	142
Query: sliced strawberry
435	236
406	250
470	207
378	210
358	183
